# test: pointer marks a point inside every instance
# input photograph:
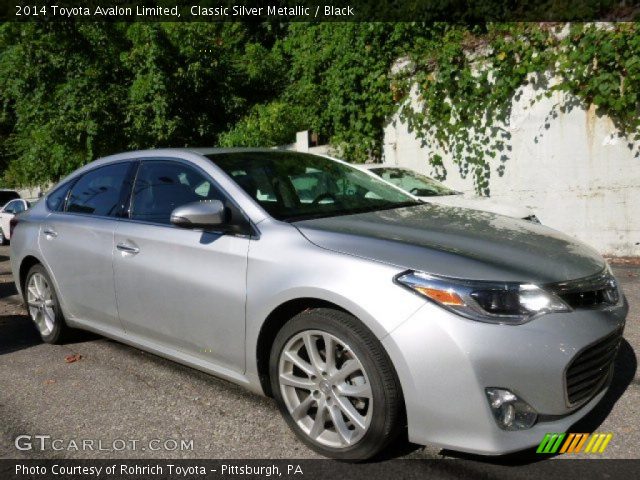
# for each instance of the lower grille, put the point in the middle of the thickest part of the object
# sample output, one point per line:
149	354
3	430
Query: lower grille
590	369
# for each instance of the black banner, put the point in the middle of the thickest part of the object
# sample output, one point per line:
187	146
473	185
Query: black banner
321	10
312	469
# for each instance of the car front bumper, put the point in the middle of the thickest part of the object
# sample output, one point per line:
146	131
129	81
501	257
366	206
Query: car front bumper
445	363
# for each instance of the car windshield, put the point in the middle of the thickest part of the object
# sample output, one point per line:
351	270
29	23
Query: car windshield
294	186
413	182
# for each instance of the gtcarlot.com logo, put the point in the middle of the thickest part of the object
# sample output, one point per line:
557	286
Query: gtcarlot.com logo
574	443
46	442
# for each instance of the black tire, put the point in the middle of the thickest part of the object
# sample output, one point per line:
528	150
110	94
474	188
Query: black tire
387	419
60	329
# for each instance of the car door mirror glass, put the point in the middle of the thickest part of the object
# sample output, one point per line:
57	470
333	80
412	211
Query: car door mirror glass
203	214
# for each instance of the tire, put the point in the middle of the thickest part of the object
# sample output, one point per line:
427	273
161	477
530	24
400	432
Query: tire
339	433
3	239
43	306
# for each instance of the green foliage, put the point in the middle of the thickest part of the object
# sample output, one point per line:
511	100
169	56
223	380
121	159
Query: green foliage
468	78
72	92
57	87
339	74
266	125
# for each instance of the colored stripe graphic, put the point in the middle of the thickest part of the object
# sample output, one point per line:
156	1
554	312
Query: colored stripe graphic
574	442
550	443
598	442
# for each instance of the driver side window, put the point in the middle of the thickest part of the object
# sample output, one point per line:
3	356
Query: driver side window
161	186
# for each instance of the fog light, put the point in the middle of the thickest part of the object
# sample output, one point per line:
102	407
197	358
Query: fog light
510	412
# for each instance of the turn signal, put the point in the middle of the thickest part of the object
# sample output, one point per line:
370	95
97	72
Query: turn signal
445	297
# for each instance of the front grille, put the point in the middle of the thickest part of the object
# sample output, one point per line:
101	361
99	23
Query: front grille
590	369
598	291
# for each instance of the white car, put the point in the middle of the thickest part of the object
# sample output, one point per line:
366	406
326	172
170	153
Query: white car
10	210
431	190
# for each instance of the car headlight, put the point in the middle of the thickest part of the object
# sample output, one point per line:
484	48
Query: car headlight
484	301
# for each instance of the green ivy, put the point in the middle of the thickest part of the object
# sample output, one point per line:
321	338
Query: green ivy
468	78
70	93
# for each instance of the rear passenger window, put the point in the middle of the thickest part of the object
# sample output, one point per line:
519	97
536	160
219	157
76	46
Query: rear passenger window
98	192
162	186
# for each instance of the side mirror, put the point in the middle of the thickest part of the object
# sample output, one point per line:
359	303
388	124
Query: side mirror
204	214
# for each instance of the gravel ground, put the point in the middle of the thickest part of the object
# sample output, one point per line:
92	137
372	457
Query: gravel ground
118	392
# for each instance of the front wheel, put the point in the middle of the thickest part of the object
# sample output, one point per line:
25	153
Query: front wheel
42	305
335	385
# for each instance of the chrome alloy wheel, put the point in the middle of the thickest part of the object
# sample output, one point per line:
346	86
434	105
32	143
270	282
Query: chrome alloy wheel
325	388
41	303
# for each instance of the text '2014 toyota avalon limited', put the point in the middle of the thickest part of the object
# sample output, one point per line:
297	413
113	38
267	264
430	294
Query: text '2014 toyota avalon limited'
361	310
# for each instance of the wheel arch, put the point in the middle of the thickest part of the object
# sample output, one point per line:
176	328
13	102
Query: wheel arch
278	317
25	265
284	312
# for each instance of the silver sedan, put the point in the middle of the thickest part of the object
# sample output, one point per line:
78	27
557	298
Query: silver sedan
364	312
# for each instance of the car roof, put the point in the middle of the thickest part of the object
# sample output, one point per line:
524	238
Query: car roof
370	166
182	151
214	150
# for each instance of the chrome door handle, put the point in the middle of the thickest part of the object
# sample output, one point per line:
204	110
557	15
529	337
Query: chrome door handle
123	247
50	232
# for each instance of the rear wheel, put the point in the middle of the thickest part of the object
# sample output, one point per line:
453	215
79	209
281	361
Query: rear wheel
335	386
42	305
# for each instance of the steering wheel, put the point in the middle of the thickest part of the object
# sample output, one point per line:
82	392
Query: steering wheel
324	196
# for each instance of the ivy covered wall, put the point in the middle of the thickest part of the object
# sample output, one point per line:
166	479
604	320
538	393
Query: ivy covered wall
72	92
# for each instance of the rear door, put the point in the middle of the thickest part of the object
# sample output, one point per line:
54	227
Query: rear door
181	288
77	244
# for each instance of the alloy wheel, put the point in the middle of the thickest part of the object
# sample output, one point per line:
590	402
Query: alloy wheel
41	303
325	388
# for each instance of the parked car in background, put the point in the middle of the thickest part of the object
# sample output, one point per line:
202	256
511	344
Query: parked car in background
362	310
430	190
6	195
10	210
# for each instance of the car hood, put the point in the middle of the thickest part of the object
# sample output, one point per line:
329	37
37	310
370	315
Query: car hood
480	203
457	242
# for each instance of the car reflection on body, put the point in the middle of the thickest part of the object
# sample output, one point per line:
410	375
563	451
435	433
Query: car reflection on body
433	191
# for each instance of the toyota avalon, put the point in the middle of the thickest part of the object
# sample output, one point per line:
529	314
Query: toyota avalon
362	311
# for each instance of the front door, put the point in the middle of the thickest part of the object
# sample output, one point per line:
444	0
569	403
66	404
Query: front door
184	289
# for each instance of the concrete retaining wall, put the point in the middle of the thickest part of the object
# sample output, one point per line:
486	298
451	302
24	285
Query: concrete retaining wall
578	177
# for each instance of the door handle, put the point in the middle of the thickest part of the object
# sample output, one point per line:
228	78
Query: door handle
123	247
50	232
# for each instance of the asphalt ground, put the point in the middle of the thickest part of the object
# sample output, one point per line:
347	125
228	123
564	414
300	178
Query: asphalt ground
115	393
